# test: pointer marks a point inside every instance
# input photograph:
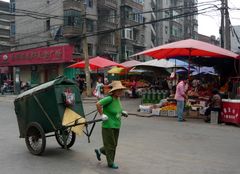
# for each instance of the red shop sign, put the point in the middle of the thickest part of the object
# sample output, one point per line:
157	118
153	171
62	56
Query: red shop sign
45	55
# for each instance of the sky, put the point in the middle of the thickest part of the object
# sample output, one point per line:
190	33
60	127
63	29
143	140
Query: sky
209	23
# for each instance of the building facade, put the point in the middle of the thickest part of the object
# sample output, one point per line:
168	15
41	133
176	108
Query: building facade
5	24
235	39
132	34
176	20
211	39
49	23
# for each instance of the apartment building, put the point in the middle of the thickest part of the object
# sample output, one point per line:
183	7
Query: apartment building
235	39
132	38
173	26
48	34
5	23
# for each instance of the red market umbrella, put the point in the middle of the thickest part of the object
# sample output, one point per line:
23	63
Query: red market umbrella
189	48
96	63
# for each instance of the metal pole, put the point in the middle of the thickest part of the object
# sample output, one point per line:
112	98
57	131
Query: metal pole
227	44
222	28
85	52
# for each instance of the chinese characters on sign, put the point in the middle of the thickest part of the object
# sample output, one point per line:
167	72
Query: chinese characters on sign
55	54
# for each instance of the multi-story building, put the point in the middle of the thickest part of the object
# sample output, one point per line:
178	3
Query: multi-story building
5	23
132	38
190	21
176	20
150	29
211	39
108	19
48	30
235	39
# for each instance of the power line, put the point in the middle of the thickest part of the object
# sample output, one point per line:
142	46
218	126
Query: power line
159	10
131	26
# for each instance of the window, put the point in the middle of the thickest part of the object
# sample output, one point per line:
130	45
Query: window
127	33
166	29
112	38
137	16
128	12
139	1
90	25
90	49
72	18
89	3
12	7
48	25
112	16
12	29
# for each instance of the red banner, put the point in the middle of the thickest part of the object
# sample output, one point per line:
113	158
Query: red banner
45	55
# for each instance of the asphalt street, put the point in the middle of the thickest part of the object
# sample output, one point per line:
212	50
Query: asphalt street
147	145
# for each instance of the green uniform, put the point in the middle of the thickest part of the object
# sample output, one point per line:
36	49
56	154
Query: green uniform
110	128
113	109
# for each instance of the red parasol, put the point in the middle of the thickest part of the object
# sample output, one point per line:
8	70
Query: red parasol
190	48
96	63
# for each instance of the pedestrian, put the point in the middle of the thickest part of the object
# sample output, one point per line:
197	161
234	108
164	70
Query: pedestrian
110	107
98	91
81	85
214	104
181	96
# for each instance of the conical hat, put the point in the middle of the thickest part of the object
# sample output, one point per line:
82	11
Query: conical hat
116	85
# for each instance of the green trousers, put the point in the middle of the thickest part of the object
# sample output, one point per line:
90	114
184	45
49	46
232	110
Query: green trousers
110	140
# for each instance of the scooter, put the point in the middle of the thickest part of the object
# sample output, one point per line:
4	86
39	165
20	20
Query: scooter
6	88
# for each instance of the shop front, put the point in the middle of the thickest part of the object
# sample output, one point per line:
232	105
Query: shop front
37	65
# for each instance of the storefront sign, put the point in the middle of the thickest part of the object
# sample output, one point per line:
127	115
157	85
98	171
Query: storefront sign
230	111
46	55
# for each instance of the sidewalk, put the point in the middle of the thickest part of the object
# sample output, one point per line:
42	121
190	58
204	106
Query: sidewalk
7	98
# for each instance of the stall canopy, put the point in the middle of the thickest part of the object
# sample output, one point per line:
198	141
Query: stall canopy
159	63
130	63
96	63
117	70
189	48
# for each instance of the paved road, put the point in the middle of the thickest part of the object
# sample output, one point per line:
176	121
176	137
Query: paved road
147	145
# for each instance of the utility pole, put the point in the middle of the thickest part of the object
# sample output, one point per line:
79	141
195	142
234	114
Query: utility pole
222	24
85	51
227	41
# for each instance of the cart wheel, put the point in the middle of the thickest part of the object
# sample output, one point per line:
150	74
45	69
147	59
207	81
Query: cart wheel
67	136
35	139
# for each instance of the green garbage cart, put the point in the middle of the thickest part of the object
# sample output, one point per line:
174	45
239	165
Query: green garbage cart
40	112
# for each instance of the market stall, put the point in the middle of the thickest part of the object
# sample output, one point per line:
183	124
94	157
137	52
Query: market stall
231	106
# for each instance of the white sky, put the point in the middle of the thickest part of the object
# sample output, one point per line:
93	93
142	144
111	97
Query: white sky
209	23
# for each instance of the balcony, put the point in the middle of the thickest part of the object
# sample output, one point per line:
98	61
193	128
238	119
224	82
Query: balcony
106	25
71	4
71	31
107	4
107	47
131	3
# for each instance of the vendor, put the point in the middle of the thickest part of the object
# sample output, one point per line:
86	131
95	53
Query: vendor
215	103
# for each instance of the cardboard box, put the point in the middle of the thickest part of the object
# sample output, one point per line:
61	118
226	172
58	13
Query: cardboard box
172	113
163	113
193	114
156	112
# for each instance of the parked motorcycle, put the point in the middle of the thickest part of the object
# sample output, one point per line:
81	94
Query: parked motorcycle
6	88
